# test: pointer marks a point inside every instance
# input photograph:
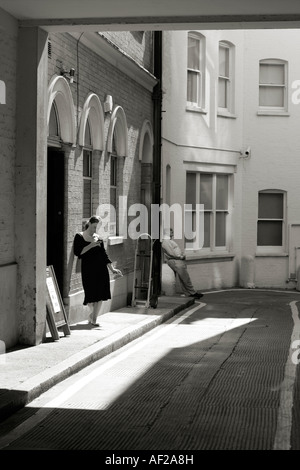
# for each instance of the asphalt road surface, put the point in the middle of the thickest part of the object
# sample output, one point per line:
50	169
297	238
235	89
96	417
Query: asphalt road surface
217	376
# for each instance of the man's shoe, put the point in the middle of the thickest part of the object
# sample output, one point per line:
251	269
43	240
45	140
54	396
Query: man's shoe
197	295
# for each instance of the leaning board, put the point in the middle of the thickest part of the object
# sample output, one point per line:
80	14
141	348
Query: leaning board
56	315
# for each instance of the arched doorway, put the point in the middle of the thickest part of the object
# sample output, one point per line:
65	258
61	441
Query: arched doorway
117	147
55	199
61	130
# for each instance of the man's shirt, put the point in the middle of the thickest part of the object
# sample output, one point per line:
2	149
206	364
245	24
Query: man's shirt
171	249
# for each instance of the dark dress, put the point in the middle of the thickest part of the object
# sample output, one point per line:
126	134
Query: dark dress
94	271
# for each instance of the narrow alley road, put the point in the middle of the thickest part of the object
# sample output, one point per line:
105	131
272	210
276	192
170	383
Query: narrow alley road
218	376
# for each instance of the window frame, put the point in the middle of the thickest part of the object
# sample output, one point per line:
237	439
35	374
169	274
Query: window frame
199	103
213	211
113	226
263	109
229	109
273	249
87	150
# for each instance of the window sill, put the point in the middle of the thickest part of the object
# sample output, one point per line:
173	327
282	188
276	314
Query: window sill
271	112
196	109
226	114
210	257
273	254
115	240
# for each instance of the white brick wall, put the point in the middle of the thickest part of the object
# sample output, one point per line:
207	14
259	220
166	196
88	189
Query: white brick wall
211	141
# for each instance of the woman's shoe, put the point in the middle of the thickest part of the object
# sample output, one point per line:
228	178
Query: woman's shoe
92	322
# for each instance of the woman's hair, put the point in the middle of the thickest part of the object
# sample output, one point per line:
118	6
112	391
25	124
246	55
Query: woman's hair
93	220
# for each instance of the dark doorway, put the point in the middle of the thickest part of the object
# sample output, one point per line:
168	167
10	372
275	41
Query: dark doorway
55	213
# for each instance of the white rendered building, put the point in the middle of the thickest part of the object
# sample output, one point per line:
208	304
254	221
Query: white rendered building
230	143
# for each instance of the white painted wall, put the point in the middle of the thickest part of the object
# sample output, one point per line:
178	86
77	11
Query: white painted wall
193	140
275	150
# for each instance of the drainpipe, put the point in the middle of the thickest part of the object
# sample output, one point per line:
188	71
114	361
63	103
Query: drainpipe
157	116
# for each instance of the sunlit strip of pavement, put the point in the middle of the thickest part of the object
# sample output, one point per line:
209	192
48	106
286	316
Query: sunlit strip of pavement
43	412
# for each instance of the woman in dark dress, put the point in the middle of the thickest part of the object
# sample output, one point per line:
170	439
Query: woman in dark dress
89	247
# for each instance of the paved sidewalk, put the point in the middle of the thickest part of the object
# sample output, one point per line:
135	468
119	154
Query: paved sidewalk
27	372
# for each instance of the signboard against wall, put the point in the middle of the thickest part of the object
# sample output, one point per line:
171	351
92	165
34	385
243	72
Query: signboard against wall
56	315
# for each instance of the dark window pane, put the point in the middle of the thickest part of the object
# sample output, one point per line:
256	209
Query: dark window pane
270	206
87	163
113	171
87	209
224	62
221	229
271	96
206	191
191	189
192	86
269	233
222	192
189	227
272	74
207	217
223	93
113	197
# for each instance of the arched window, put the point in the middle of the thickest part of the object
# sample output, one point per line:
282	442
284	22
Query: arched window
87	172
119	131
92	110
196	70
117	147
59	93
114	189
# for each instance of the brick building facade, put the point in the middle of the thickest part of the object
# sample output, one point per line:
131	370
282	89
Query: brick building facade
111	95
56	162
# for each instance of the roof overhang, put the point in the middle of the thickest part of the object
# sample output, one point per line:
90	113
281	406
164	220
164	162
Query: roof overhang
104	15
